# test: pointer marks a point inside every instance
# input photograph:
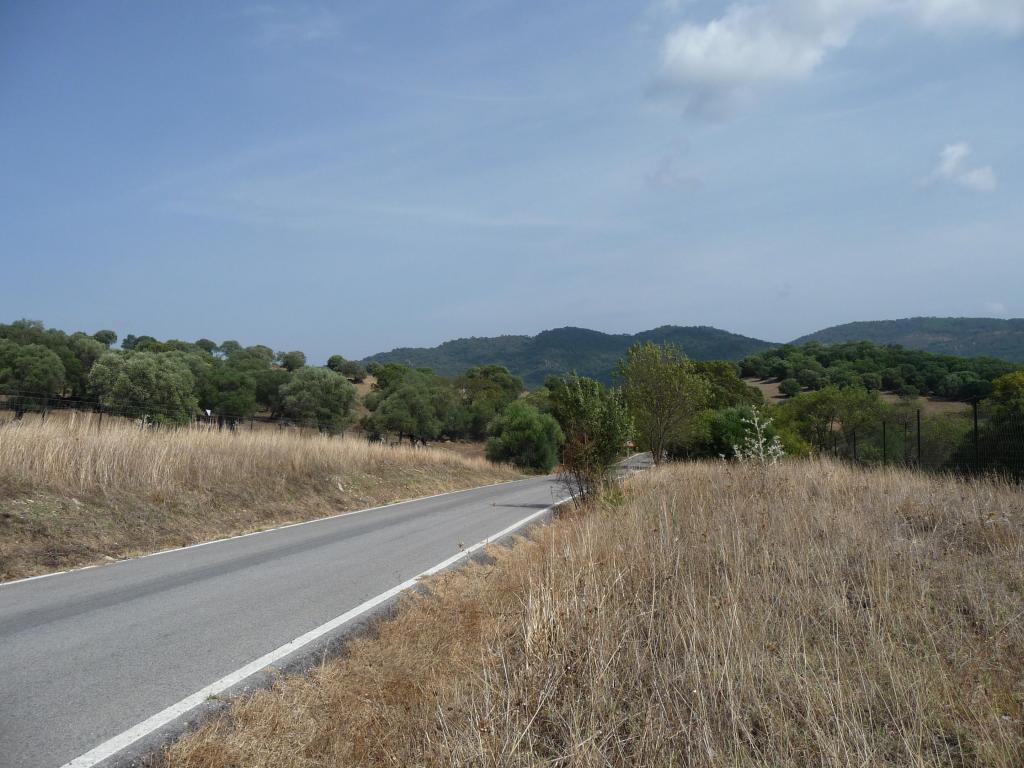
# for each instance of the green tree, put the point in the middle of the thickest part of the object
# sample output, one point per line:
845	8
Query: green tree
106	338
208	346
145	385
422	407
350	369
229	393
486	390
663	392
268	389
318	398
291	361
1001	439
726	387
790	387
813	415
596	426
226	348
526	437
31	374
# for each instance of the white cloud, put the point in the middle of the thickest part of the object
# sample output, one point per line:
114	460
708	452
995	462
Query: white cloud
752	45
953	166
995	308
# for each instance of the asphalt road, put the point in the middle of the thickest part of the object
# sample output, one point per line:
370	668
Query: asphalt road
91	654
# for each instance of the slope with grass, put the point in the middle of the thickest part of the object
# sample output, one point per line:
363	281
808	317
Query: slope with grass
557	351
73	493
961	336
816	615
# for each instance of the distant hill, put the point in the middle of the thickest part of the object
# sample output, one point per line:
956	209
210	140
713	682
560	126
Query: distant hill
589	353
962	336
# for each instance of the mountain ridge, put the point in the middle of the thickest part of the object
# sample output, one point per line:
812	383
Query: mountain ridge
595	353
960	336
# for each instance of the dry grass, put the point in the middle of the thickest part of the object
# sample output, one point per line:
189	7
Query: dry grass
827	617
71	494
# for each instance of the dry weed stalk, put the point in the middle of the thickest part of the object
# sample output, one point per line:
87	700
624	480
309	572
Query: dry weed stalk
875	621
71	493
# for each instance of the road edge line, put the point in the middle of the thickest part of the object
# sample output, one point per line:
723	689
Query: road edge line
166	716
262	530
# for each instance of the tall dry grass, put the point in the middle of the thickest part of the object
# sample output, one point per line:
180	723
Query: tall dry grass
71	492
825	616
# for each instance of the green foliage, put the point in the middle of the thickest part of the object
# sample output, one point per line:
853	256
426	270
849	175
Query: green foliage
415	404
318	397
268	390
229	393
663	392
790	387
540	399
106	338
144	385
726	388
208	346
350	369
486	391
226	348
872	367
967	336
596	426
291	361
1001	438
526	437
32	372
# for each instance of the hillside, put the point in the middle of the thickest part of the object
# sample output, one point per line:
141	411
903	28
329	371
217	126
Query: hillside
590	353
962	336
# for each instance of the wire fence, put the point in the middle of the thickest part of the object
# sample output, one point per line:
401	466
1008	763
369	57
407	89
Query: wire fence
980	439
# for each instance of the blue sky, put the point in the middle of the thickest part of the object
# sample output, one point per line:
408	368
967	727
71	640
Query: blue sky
347	178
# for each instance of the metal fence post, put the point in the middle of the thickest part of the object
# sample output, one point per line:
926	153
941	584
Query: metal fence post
919	460
977	456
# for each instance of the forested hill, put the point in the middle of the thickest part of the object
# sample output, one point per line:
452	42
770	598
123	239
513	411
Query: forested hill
590	353
962	336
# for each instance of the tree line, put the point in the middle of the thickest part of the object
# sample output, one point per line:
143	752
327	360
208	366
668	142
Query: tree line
660	400
172	382
876	367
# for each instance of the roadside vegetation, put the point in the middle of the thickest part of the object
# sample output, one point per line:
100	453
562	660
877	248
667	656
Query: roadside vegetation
72	493
714	614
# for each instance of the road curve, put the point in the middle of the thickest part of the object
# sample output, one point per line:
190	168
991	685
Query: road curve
90	654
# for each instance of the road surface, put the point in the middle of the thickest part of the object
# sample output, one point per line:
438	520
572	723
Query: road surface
90	655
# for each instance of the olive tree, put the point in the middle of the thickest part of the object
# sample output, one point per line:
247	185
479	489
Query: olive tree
318	397
526	437
145	385
30	374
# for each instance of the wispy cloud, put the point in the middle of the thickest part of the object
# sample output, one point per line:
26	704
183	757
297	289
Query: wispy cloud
953	166
294	23
755	45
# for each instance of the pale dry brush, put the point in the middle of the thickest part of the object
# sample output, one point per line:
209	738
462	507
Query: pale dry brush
873	618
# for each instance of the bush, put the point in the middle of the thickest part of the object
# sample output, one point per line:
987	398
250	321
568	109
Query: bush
790	387
526	437
318	397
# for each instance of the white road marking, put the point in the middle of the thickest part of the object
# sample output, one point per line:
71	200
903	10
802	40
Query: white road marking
160	719
263	530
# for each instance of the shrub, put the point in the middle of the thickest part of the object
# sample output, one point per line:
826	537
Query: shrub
526	437
790	387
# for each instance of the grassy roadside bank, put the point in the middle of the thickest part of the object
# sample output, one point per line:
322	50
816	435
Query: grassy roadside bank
72	495
826	616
